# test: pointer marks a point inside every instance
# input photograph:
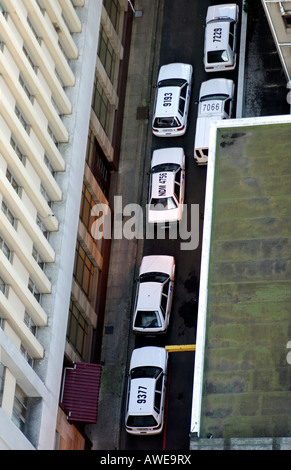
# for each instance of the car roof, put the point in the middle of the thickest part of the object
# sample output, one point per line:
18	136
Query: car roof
175	70
156	263
149	356
164	188
212	45
171	110
168	155
149	296
146	406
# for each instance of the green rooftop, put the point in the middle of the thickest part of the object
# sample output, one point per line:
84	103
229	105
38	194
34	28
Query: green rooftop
247	379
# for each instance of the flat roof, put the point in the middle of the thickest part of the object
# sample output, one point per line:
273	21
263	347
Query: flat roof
242	377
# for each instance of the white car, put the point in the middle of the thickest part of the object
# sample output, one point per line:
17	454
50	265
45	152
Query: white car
220	42
172	100
154	294
146	391
215	103
166	186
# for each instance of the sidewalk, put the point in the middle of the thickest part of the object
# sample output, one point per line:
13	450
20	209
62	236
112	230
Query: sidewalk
126	254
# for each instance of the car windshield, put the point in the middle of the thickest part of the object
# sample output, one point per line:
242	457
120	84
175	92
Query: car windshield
220	96
220	18
165	167
148	372
147	319
217	56
163	203
164	122
171	82
153	277
141	421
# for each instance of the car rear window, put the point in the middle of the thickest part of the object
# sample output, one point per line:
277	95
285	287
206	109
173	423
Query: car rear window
217	56
163	203
141	421
164	122
147	319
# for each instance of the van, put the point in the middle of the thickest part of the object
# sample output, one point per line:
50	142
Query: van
173	89
215	103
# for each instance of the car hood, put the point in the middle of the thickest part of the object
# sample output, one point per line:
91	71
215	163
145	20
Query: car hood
149	356
217	86
176	70
168	155
156	263
222	11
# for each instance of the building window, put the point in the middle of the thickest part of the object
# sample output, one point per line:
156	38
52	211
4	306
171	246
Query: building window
106	54
98	163
42	227
13	182
87	204
3	287
19	408
49	165
17	150
83	271
26	355
113	10
34	290
30	323
8	213
26	53
53	137
287	21
38	258
77	331
2	369
37	37
45	195
26	89
22	119
101	106
5	248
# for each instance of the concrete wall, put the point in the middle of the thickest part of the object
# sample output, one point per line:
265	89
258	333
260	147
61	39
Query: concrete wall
64	241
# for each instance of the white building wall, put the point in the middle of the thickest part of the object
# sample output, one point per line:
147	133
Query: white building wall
55	84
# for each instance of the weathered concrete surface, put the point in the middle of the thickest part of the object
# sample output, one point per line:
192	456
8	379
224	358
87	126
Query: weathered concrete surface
265	84
247	375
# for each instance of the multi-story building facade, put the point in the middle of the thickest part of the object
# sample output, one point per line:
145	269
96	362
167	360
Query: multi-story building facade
62	73
278	14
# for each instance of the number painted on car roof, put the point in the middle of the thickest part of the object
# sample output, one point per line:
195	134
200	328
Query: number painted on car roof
141	394
168	99
217	32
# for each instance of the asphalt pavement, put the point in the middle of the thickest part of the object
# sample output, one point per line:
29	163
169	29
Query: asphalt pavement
261	91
